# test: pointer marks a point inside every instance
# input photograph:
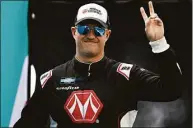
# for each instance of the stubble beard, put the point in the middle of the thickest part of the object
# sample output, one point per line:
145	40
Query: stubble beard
88	53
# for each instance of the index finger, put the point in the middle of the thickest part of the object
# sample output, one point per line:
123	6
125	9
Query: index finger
144	15
151	9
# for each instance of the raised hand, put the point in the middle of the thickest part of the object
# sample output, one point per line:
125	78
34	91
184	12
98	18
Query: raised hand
154	27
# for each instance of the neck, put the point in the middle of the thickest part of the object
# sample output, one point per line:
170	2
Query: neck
88	60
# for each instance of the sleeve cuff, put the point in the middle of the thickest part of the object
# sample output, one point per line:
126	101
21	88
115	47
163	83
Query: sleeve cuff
159	46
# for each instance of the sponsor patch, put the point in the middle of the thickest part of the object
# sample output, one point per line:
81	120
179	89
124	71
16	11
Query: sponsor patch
68	80
83	106
124	69
71	80
92	10
68	88
45	77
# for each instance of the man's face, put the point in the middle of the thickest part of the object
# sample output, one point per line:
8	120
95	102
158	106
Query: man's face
89	44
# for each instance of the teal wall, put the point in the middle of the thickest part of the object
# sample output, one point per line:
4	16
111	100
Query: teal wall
14	48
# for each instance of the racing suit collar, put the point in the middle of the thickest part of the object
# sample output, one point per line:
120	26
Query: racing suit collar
87	69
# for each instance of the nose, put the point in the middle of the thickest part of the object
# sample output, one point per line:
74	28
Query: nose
91	34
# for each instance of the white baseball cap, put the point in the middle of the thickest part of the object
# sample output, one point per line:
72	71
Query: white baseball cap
93	11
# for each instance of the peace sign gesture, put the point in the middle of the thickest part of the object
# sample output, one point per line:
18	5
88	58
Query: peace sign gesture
154	27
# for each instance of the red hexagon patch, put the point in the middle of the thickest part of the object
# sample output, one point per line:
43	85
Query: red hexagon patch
83	106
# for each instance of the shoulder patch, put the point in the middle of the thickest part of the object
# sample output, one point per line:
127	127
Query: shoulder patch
45	77
124	69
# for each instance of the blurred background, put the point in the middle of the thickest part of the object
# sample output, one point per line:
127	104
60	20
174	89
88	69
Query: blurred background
36	36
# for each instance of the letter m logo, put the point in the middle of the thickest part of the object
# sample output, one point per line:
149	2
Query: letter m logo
83	106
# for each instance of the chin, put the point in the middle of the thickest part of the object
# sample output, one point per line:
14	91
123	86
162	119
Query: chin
90	54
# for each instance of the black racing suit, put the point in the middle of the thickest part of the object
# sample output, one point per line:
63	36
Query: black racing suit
97	95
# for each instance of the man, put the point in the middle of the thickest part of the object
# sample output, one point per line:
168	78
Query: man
92	90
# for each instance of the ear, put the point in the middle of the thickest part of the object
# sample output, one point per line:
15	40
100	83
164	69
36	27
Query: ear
73	30
108	33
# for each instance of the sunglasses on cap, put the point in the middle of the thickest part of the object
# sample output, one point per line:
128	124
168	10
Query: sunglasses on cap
84	30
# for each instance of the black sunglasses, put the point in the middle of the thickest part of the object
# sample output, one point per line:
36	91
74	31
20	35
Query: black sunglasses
84	30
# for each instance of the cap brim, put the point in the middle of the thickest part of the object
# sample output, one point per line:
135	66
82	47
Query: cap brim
92	19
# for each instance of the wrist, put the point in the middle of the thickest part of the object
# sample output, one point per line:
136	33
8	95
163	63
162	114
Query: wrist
159	46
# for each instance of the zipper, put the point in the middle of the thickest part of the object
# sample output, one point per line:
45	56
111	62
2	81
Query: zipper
89	69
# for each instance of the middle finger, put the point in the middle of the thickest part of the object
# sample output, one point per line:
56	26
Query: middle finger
151	9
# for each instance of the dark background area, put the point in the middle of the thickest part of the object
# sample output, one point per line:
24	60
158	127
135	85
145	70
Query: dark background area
51	44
